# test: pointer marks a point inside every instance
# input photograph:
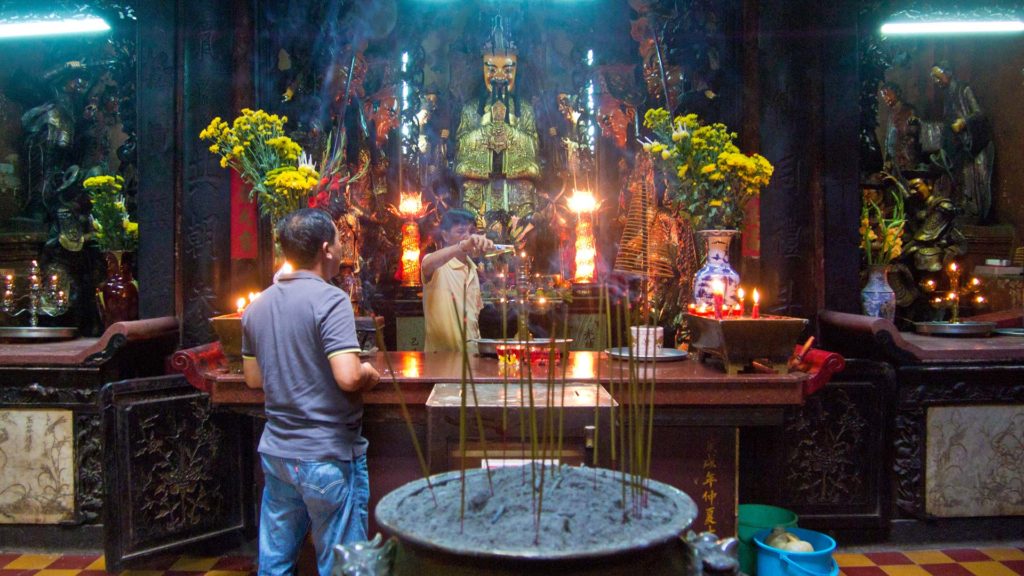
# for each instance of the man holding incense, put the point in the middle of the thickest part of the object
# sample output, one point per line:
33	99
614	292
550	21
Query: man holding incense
451	286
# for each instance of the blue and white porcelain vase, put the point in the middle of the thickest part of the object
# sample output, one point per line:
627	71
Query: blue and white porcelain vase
716	266
877	298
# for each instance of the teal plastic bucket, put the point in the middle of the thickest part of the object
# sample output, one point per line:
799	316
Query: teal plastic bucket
753	518
776	562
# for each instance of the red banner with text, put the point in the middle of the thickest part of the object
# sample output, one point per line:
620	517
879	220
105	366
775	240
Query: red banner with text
244	221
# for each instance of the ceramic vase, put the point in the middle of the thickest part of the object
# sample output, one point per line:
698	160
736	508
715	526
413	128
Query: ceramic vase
118	297
716	266
877	298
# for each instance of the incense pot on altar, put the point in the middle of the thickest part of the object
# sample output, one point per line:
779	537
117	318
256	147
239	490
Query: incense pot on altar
727	334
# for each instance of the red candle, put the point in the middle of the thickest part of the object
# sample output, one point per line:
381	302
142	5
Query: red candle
740	294
755	312
717	292
702	310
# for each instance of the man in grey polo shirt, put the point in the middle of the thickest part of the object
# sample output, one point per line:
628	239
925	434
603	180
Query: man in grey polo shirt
299	345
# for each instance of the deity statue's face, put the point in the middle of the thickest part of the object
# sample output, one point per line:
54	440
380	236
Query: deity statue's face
500	69
888	96
565	107
940	76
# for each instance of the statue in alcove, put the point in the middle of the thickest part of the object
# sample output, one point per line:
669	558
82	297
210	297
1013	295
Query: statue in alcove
432	150
902	133
967	152
932	241
497	143
49	141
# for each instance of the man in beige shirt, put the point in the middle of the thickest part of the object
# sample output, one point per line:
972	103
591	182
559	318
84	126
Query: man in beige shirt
451	287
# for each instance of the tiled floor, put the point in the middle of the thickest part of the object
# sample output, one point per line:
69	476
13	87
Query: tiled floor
992	561
947	562
93	565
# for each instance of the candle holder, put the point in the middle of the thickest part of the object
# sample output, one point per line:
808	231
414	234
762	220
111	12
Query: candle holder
738	342
35	299
958	291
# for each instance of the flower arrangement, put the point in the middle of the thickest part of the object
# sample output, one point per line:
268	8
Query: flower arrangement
256	147
716	180
113	229
881	227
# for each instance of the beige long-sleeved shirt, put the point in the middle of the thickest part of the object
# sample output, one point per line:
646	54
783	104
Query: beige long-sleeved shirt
459	279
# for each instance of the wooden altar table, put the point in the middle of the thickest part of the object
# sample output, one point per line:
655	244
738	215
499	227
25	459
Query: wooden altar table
699	411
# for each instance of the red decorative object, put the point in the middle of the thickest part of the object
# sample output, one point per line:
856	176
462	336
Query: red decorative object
820	365
244	220
118	297
194	362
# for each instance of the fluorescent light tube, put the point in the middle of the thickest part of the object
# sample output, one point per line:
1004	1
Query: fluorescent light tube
952	27
53	27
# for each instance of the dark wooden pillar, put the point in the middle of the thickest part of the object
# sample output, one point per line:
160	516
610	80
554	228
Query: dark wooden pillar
204	249
840	191
157	99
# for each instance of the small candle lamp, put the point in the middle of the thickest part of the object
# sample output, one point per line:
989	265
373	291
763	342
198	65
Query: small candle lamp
240	305
48	300
741	296
583	203
958	292
755	311
410	209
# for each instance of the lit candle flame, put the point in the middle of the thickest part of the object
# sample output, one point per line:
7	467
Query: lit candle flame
740	293
582	202
980	299
952	267
583	366
410	366
718	287
756	296
411	204
240	304
287	268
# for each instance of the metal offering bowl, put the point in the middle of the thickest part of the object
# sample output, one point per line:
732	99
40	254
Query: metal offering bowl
489	346
740	341
229	329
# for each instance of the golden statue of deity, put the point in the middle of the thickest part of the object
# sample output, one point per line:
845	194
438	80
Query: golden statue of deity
496	156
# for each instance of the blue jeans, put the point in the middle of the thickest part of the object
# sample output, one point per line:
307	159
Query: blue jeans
328	497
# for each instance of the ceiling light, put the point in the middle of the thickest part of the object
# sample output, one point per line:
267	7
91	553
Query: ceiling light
53	27
952	27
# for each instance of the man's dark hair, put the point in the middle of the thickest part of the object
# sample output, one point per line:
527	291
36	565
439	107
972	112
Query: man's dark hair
302	233
456	216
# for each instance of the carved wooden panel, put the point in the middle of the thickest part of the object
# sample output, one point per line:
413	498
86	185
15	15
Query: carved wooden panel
835	450
924	386
89	464
174	471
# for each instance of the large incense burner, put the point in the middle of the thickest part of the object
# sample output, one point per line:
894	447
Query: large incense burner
585	528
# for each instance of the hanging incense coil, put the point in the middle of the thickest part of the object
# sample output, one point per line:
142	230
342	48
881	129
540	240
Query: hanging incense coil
645	246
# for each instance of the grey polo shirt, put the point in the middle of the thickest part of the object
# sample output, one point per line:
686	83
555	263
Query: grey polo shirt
291	330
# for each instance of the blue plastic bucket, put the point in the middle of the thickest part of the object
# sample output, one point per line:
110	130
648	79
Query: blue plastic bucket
776	562
753	518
